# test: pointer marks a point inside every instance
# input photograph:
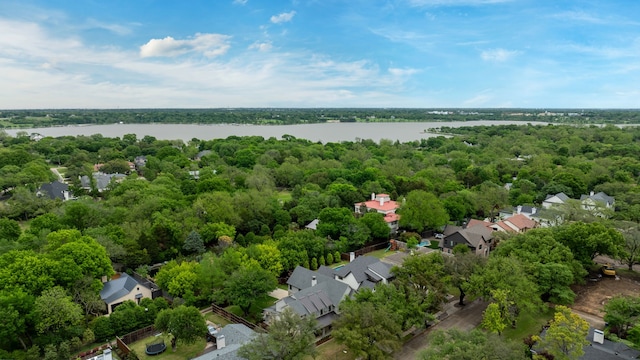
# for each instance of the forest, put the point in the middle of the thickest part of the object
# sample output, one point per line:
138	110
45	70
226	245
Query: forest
283	116
228	217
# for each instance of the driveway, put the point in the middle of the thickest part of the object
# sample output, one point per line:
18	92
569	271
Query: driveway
465	319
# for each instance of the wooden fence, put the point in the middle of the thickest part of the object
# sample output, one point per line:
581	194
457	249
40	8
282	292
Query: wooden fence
123	347
235	318
139	334
365	250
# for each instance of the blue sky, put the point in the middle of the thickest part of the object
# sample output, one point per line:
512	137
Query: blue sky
319	53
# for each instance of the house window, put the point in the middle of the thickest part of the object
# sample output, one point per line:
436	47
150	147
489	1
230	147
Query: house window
480	247
451	242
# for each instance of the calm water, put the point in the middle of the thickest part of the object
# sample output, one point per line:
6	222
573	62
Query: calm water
327	132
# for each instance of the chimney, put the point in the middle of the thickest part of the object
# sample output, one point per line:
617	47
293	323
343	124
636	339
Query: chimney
314	281
533	210
352	256
381	201
519	209
373	196
220	343
591	193
598	336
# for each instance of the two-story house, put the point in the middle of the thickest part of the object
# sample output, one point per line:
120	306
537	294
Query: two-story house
382	204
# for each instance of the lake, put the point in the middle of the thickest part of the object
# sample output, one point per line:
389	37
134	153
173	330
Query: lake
325	132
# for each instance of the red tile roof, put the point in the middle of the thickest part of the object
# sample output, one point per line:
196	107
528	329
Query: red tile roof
375	204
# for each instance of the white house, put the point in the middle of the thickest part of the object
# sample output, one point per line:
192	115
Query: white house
383	204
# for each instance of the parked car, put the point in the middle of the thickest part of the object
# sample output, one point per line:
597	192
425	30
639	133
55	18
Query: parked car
439	236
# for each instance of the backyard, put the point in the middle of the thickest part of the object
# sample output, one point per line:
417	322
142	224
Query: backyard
183	351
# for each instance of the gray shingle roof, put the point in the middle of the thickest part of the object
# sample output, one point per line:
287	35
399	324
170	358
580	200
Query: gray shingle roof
235	335
562	196
476	234
55	190
301	277
599	197
115	289
360	268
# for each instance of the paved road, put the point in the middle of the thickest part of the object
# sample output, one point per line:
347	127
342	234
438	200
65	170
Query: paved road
465	319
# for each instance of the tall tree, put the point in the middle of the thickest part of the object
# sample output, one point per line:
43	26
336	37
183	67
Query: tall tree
247	285
587	241
54	310
476	344
566	335
424	276
631	233
622	312
460	267
185	323
422	210
359	328
290	337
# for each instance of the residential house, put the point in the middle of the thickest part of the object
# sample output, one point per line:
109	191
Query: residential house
228	340
478	238
383	204
518	223
600	348
363	271
102	180
593	202
554	200
313	224
55	190
526	210
311	294
139	162
202	154
121	289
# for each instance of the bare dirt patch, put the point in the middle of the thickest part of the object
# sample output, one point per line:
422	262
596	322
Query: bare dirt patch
592	296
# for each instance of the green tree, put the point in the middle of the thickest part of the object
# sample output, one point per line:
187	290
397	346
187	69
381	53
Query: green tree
377	226
587	241
179	279
631	253
493	320
459	269
247	285
9	229
422	210
475	344
359	328
184	323
54	310
193	243
423	276
290	337
622	312
566	335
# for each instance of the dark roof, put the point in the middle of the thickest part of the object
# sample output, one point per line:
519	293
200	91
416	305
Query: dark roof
235	335
321	296
609	350
54	190
115	289
365	268
599	197
562	196
476	234
301	278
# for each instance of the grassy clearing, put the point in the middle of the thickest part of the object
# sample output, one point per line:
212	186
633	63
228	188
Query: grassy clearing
529	324
284	195
183	351
332	350
255	313
216	319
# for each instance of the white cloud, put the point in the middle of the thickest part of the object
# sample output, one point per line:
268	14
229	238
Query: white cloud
264	46
210	45
403	72
240	2
114	28
498	55
284	17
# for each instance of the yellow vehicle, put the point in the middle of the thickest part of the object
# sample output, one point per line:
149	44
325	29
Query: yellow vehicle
608	269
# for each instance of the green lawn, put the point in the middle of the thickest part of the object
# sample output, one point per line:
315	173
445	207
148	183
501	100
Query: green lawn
216	319
529	324
183	351
331	350
255	313
284	195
